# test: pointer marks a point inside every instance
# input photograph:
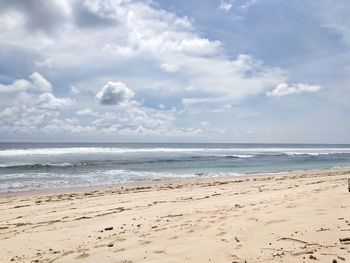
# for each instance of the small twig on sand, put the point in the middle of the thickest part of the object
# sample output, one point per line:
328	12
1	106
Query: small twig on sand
293	239
323	229
347	239
276	249
172	215
303	253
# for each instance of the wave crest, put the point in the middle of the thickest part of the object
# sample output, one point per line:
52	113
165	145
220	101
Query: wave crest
239	152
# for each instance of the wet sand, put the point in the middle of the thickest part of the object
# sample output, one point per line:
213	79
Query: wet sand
294	217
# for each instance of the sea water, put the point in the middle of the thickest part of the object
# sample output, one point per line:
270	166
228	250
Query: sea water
30	166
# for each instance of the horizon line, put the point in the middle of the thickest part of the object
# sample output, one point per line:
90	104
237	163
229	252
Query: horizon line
97	142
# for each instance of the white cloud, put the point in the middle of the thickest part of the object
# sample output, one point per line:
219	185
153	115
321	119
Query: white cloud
149	37
194	101
11	20
16	86
23	116
40	82
225	5
86	112
285	89
249	3
115	93
31	106
59	126
49	101
237	8
35	82
117	39
33	111
227	80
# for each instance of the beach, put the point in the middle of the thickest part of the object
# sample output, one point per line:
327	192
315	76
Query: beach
289	217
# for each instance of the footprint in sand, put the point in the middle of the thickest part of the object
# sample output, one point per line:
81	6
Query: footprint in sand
82	250
144	242
253	219
84	255
160	229
119	250
275	221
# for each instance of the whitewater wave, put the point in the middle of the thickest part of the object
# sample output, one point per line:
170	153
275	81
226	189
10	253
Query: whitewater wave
315	153
240	156
241	152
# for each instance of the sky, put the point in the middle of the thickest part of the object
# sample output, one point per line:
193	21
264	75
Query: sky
258	71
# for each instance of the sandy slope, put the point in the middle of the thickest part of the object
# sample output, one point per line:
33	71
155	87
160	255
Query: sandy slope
298	217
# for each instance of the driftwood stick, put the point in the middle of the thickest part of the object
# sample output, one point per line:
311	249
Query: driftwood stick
349	184
293	239
323	229
276	249
303	253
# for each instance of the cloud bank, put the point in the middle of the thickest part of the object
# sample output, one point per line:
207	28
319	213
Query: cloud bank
32	105
125	67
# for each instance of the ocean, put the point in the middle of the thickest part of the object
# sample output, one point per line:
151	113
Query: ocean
33	166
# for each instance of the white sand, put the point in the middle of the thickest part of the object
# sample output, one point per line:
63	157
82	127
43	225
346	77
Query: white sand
298	217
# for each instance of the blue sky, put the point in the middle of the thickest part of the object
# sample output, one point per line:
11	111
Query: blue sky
175	71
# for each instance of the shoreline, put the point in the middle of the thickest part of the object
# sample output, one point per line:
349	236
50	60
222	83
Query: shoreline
62	190
295	217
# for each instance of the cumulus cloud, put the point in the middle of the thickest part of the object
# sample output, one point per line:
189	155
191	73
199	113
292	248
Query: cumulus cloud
49	101
35	82
40	82
32	105
117	35
115	93
35	111
285	89
16	86
147	37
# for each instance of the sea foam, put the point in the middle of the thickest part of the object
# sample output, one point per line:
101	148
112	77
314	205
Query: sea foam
243	152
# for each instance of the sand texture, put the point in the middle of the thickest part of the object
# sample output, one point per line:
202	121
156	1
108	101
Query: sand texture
296	217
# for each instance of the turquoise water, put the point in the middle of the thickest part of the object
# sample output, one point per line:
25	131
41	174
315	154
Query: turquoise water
28	166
